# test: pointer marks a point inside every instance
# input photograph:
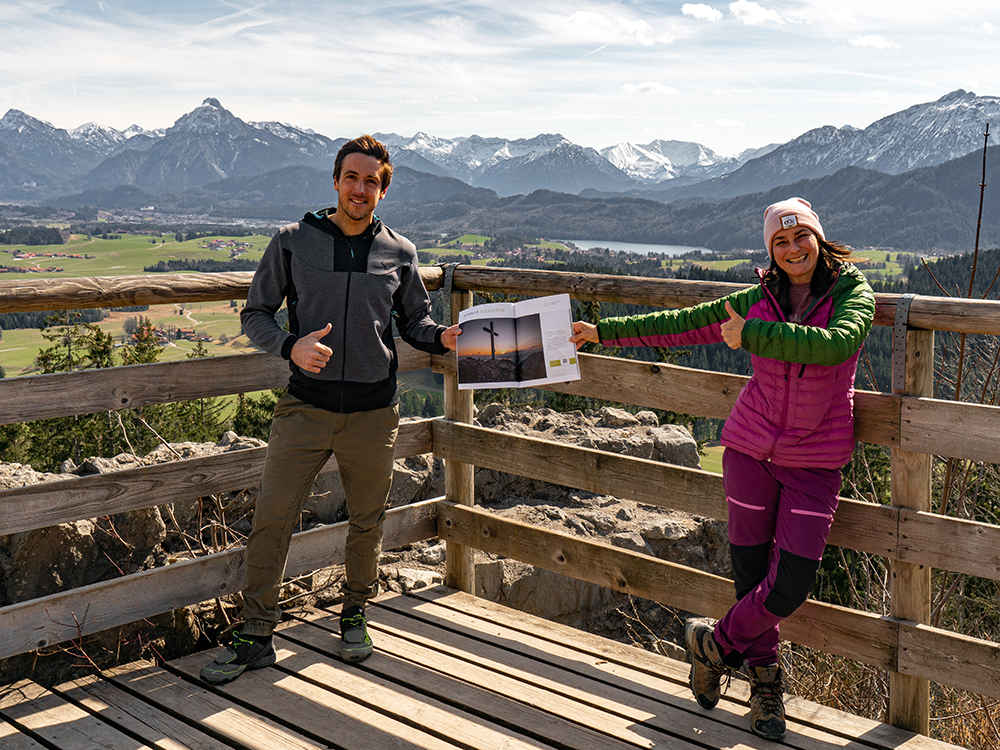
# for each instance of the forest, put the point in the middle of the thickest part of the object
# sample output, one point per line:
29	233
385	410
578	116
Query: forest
31	235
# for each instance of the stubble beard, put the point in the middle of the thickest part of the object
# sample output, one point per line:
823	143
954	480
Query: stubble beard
354	211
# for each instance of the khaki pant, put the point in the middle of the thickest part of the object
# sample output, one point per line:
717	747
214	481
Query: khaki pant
303	437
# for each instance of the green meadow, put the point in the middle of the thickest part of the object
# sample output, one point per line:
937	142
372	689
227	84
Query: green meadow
711	458
220	321
122	257
126	257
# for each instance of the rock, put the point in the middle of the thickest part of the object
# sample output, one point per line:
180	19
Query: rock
611	417
432	555
22	475
648	418
670	529
555	597
600	521
632	541
411	579
97	465
46	561
674	445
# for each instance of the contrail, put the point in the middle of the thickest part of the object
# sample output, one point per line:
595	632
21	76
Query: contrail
596	50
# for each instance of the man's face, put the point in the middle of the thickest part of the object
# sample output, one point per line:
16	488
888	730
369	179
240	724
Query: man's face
359	187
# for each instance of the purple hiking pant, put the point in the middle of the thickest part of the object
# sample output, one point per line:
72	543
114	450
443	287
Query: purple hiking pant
779	519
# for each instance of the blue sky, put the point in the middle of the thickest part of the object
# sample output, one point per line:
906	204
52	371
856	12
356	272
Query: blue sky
729	75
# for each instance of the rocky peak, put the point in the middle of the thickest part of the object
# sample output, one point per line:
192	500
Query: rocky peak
209	118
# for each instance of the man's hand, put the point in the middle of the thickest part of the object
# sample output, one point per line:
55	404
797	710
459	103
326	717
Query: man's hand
309	354
583	332
732	329
449	337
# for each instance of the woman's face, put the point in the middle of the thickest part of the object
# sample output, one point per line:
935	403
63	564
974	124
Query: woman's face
796	251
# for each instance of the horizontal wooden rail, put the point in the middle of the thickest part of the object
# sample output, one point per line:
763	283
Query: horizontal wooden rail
930	313
950	428
88	391
36	295
883	642
32	295
700	393
924	538
918	425
41	505
66	616
25	295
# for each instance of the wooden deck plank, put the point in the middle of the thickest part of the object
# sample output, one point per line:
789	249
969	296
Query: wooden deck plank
612	657
456	724
541	713
450	671
12	739
237	723
334	718
55	720
635	694
116	706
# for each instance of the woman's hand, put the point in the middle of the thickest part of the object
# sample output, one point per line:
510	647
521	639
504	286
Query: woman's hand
583	332
732	329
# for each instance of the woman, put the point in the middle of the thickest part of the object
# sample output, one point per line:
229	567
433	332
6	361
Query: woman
787	436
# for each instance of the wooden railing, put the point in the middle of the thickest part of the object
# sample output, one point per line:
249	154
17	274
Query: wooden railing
912	539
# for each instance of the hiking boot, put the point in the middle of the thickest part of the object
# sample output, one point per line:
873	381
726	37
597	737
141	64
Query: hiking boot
242	653
707	665
356	645
767	709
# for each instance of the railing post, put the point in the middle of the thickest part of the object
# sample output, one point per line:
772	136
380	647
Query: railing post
460	570
910	585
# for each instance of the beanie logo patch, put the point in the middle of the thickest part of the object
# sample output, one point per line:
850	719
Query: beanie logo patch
791	220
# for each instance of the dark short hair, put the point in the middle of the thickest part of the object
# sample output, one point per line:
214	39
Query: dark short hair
365	144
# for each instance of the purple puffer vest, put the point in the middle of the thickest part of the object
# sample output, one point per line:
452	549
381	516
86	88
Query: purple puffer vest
795	415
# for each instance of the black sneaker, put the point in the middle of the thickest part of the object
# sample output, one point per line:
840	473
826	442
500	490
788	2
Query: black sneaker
243	652
356	644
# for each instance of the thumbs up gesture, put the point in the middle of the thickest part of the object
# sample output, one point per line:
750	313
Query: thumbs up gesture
732	329
309	354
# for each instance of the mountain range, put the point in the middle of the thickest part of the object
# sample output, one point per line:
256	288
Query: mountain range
210	161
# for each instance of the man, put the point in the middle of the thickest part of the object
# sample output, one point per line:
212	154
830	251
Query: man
344	275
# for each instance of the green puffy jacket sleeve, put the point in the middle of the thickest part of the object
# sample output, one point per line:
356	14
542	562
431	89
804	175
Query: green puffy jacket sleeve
851	320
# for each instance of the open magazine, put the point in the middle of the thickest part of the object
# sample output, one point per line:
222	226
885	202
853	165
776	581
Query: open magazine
517	344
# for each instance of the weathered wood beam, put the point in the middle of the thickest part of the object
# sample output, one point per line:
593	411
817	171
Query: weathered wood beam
883	642
41	505
66	616
64	394
896	533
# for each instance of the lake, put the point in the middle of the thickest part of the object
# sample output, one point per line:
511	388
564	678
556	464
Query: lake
635	247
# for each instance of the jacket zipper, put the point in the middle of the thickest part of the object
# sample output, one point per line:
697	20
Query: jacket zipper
343	340
788	365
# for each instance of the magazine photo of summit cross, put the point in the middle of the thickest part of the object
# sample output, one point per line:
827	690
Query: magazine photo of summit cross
517	344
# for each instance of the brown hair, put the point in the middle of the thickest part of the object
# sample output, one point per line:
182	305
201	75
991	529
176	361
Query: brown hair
831	256
368	146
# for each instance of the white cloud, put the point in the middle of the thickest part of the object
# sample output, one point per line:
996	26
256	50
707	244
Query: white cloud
641	30
730	123
647	88
701	12
985	28
752	14
588	18
875	41
595	26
